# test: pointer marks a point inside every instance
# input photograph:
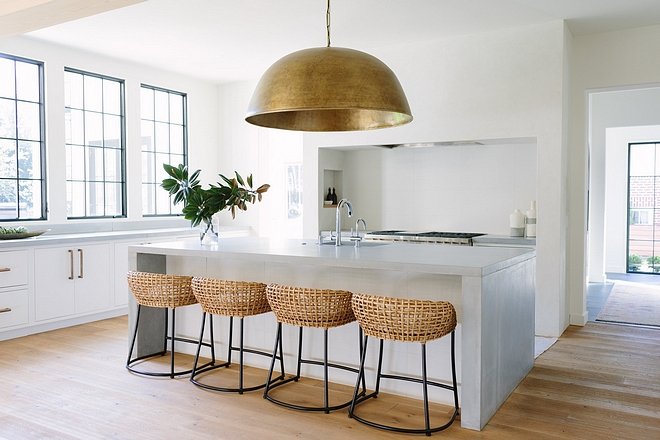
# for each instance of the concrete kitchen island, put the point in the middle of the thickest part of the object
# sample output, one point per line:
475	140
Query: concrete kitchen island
492	290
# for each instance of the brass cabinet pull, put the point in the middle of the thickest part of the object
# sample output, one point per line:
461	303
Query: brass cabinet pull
5	269
70	264
5	310
80	254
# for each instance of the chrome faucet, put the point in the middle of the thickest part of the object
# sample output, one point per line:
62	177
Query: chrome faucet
349	207
356	237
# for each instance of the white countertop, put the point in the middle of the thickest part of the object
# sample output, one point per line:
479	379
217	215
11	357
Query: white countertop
433	258
137	234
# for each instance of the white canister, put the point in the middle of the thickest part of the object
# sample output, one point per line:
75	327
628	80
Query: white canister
517	223
530	221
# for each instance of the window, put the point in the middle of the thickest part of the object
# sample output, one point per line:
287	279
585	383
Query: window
164	140
641	216
22	169
294	193
95	152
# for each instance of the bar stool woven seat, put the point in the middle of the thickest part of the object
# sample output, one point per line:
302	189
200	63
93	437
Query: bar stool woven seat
161	291
404	320
315	308
232	299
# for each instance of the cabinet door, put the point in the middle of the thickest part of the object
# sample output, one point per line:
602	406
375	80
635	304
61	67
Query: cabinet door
13	307
53	288
92	274
13	268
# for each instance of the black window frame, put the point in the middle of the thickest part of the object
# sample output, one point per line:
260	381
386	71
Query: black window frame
122	107
184	97
42	142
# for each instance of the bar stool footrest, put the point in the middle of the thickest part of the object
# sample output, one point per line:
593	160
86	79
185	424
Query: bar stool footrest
209	367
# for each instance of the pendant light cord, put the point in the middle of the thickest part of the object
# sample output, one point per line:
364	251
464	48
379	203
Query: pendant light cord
327	22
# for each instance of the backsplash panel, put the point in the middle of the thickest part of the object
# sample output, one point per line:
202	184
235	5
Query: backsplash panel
456	188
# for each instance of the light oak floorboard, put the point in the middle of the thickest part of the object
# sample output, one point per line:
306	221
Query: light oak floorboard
600	381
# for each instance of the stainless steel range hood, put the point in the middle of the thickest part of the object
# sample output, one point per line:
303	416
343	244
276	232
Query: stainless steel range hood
459	143
431	144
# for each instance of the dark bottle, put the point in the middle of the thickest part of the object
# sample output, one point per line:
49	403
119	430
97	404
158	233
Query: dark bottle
329	196
334	197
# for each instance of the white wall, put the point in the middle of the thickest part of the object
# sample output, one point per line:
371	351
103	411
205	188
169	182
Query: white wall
611	60
453	188
263	152
202	126
496	85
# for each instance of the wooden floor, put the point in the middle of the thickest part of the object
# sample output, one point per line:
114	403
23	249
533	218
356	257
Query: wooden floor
600	381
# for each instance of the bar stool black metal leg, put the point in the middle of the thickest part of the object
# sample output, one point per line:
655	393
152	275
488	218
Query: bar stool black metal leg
300	339
199	346
278	343
364	382
426	393
137	322
281	358
231	340
240	362
325	370
172	347
380	368
212	339
167	329
453	374
360	378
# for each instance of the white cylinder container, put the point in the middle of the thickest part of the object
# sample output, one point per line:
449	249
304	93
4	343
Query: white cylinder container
517	223
530	221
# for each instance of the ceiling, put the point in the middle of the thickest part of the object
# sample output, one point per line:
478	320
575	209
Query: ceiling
232	40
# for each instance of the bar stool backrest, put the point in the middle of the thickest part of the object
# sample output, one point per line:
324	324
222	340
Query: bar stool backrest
303	307
158	290
230	298
403	320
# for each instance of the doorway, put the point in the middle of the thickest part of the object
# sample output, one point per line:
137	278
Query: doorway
624	129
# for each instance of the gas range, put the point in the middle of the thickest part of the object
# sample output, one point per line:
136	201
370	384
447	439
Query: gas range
452	238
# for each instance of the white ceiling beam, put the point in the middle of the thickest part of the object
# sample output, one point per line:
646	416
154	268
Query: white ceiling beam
21	16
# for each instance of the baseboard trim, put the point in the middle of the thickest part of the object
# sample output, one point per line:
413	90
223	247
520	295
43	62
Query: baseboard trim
31	329
581	320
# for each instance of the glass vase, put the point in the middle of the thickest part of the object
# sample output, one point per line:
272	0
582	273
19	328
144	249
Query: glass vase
208	236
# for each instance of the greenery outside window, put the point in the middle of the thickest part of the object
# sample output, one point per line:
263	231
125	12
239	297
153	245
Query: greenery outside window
164	141
22	148
95	145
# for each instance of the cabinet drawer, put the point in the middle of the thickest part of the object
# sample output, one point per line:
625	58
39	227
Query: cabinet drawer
13	307
13	268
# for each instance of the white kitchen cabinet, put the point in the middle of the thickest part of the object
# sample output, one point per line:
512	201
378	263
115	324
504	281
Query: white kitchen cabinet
71	280
13	288
13	268
43	285
13	307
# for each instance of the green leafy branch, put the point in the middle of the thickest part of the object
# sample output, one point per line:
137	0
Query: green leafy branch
199	205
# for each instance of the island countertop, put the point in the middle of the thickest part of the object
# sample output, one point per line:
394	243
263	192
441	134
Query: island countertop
492	289
424	258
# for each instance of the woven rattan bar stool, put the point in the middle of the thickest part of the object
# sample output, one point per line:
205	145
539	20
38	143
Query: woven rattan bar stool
167	292
404	320
232	299
301	307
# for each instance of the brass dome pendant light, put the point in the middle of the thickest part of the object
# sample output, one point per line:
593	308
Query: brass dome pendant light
328	89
